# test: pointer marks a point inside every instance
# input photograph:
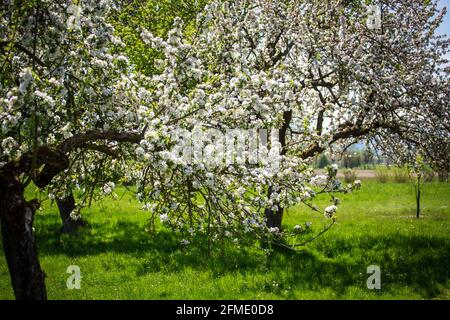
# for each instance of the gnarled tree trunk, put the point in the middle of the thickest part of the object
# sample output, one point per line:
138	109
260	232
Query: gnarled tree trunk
17	214
16	217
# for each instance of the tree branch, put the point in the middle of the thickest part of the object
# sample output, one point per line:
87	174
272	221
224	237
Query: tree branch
81	139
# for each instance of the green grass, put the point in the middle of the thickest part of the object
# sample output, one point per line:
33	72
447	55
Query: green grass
376	225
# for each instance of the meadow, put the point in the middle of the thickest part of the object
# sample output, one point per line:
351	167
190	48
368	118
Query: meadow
120	259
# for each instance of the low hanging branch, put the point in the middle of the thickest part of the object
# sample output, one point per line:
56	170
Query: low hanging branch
81	139
51	161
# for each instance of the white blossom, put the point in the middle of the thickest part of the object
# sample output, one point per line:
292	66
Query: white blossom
185	242
164	218
108	187
330	211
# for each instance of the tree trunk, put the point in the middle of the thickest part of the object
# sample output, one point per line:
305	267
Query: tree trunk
418	197
275	218
16	218
66	206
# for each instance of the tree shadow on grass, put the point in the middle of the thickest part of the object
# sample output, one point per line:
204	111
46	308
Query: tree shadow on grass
418	262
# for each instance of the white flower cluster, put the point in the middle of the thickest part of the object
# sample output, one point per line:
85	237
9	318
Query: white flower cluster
108	188
319	180
330	211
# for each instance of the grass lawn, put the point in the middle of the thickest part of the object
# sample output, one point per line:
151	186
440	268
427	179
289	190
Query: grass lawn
119	259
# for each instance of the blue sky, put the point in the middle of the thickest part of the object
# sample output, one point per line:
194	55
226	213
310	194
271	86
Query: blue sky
445	27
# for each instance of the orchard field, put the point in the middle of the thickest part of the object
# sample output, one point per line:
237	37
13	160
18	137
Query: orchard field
376	225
